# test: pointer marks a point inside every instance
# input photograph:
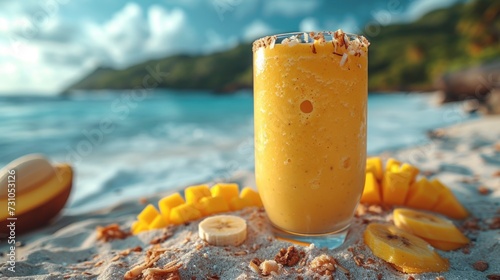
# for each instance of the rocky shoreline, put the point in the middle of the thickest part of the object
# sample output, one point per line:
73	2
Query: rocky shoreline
479	86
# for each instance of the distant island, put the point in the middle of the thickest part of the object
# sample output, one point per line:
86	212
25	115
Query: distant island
403	57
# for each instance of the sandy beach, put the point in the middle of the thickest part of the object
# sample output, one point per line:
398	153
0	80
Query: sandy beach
466	157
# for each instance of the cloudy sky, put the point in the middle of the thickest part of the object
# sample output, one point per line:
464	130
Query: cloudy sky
45	45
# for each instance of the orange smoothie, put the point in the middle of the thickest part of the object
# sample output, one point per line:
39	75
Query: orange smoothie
310	101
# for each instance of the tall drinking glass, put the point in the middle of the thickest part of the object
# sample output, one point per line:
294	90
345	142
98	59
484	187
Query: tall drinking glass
310	98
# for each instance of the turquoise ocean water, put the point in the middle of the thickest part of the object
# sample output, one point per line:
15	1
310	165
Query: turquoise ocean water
125	146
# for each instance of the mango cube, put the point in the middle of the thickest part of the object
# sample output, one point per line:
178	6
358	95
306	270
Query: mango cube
412	169
213	205
148	214
193	194
138	226
447	203
238	203
227	191
167	203
374	165
422	195
395	186
251	196
184	213
371	192
134	225
392	162
158	222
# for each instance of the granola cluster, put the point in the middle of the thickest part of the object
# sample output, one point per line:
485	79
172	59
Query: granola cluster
323	265
480	265
288	257
146	269
111	232
285	257
264	268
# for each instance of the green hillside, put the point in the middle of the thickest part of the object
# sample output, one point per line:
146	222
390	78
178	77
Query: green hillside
412	56
224	71
402	56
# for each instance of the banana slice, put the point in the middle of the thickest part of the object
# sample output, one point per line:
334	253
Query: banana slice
222	230
444	245
428	226
407	252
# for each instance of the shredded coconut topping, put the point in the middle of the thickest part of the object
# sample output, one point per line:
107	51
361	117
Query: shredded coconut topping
343	43
264	42
272	44
343	59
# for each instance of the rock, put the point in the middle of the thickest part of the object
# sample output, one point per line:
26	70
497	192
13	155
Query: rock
473	83
491	106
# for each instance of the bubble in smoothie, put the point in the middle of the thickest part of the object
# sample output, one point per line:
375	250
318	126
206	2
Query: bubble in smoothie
346	162
306	106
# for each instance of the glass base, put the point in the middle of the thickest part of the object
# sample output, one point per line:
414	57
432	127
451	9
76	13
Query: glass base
327	240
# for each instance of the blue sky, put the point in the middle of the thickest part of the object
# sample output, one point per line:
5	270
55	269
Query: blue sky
45	45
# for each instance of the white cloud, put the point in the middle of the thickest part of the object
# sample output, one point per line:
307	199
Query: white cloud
309	24
256	29
419	8
121	38
57	30
169	32
34	20
20	49
290	8
48	58
35	77
130	37
73	54
16	7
